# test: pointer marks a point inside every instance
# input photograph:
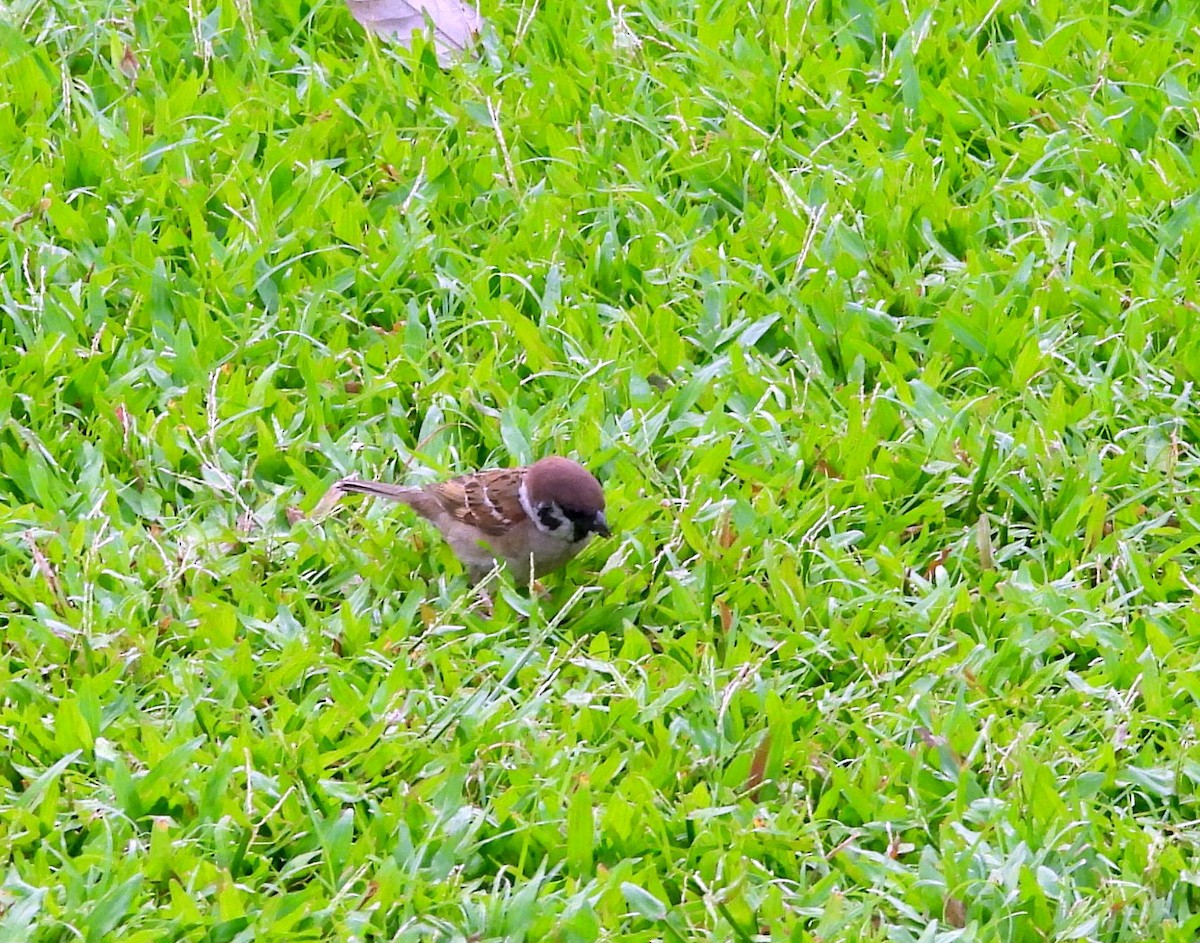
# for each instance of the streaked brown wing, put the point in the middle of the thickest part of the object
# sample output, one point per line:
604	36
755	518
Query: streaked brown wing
488	500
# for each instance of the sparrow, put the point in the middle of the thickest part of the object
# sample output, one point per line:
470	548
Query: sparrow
533	519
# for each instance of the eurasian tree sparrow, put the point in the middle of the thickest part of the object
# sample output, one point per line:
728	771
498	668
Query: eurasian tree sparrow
534	518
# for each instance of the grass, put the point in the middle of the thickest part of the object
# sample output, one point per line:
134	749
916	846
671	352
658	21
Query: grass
874	318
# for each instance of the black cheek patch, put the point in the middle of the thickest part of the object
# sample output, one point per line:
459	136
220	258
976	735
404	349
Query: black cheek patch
548	517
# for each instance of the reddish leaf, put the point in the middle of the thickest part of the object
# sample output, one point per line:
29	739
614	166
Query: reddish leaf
455	24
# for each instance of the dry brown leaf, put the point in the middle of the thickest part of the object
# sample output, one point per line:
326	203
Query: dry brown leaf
455	23
726	615
758	768
939	560
129	64
728	535
955	913
983	539
43	565
43	205
823	467
841	846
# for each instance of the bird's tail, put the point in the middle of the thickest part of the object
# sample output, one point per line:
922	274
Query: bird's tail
413	497
379	489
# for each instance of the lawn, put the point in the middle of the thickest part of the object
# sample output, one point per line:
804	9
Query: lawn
874	318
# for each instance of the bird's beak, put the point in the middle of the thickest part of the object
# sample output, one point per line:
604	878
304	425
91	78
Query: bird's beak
600	525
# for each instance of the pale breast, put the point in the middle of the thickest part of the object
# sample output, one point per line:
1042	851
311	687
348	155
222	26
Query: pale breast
514	546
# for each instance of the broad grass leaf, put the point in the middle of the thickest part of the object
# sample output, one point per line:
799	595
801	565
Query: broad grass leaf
643	902
111	909
580	832
36	789
21	915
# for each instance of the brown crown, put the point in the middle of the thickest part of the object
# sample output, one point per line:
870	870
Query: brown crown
568	484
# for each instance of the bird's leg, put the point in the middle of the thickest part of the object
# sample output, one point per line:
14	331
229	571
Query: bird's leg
477	575
483	603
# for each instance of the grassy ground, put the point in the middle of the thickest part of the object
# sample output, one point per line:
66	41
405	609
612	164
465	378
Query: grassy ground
874	319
